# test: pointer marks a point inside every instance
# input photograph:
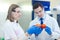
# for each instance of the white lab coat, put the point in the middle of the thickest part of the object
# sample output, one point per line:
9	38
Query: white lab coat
52	23
13	30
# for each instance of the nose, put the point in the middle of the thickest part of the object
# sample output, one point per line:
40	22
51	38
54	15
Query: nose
39	13
19	14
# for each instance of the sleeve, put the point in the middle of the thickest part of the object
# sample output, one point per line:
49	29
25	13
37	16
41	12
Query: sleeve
56	31
9	33
20	33
32	23
6	36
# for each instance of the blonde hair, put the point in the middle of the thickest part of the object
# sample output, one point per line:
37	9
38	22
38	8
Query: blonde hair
10	10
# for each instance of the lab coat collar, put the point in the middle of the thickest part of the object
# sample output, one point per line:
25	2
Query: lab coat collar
10	21
42	17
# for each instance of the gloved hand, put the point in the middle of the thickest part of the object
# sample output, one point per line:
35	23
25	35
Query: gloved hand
34	30
48	30
37	29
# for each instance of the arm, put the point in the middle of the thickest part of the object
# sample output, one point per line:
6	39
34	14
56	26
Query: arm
56	30
6	37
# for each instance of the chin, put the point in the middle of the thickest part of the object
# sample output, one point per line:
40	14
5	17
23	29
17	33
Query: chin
40	16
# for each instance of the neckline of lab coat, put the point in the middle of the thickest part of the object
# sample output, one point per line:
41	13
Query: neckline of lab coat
44	17
10	21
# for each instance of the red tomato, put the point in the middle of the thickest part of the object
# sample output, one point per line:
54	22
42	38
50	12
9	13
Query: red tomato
43	26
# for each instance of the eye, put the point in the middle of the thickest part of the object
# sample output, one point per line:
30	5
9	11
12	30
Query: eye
18	11
40	11
13	10
36	12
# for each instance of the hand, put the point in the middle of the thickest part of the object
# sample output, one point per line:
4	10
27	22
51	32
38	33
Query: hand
34	30
48	30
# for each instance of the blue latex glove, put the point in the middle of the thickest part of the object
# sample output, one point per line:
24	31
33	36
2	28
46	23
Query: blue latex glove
34	30
48	30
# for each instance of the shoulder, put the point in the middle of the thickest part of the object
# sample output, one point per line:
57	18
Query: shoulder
6	25
50	18
7	22
34	21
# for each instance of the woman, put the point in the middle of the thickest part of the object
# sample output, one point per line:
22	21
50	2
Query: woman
12	30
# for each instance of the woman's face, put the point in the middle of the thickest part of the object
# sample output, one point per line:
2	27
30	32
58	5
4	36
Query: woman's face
16	14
